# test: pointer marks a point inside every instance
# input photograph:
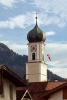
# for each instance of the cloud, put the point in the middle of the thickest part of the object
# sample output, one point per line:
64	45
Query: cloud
53	6
53	11
26	20
9	3
0	35
13	22
18	48
50	12
59	71
19	21
5	42
50	33
58	53
47	19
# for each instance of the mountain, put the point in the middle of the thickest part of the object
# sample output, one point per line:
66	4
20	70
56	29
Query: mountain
17	62
13	60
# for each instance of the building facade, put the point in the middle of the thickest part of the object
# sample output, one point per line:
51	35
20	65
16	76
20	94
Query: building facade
9	91
9	81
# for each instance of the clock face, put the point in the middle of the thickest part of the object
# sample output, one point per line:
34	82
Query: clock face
33	48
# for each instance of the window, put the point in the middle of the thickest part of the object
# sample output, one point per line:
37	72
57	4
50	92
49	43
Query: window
11	92
33	56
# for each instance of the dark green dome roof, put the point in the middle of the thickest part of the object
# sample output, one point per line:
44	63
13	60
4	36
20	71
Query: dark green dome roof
36	35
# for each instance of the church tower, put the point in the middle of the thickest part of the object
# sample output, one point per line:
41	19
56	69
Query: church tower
36	68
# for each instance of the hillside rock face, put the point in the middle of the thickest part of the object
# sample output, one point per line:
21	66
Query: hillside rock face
17	62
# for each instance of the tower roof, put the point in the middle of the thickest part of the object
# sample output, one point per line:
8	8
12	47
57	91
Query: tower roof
36	34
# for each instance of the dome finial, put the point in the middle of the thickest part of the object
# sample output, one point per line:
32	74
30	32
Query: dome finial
36	18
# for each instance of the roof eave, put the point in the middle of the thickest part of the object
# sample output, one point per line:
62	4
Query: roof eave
13	77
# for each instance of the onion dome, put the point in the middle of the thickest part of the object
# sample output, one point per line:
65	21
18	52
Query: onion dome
36	34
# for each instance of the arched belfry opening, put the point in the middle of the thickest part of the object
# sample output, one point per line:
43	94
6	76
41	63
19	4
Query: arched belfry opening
33	56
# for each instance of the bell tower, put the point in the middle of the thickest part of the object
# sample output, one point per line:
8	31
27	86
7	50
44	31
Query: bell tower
36	68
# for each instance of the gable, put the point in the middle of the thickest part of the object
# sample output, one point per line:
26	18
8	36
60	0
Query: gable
26	96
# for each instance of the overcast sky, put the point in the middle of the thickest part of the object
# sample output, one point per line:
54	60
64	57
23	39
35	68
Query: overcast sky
17	18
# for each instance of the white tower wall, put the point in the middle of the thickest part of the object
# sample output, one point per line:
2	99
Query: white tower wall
36	70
